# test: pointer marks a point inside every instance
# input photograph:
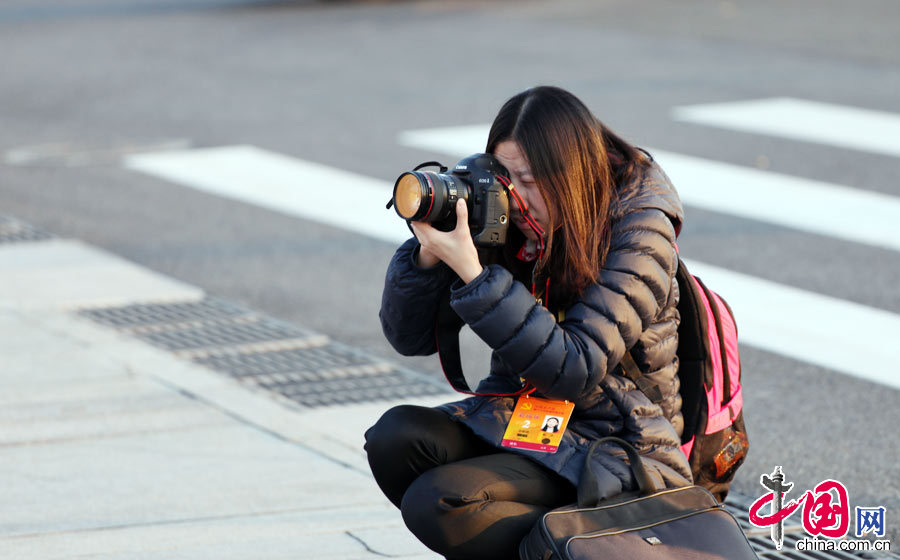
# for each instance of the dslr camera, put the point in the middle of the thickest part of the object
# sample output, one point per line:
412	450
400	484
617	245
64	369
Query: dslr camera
428	196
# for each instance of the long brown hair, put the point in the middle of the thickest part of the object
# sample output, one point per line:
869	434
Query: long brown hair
577	163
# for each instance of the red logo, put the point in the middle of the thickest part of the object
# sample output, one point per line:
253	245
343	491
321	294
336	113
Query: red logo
826	508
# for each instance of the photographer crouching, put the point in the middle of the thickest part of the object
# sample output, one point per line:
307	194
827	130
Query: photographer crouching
584	275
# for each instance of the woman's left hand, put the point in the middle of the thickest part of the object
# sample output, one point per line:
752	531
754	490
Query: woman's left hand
456	247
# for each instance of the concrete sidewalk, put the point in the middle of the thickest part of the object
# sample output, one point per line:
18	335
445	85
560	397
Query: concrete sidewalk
111	448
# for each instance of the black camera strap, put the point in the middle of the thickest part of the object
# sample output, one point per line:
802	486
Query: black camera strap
437	164
446	333
448	323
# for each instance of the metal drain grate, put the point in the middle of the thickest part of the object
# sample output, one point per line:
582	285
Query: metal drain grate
323	375
394	384
739	506
272	355
311	361
13	230
221	335
142	315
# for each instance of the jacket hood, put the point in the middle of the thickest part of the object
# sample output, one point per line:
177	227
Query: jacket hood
649	188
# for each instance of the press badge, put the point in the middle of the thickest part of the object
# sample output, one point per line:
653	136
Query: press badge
537	424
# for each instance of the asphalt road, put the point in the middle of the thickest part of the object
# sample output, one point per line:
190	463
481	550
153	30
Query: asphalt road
84	82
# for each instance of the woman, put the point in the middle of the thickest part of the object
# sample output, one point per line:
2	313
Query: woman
586	275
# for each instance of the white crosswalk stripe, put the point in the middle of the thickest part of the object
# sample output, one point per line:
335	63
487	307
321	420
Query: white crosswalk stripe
806	326
281	183
799	119
295	187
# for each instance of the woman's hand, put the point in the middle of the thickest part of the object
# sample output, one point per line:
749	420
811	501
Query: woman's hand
455	248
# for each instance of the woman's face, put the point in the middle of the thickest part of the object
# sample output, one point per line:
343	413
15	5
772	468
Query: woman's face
513	159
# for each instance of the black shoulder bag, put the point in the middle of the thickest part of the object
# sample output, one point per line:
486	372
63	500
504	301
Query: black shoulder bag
686	523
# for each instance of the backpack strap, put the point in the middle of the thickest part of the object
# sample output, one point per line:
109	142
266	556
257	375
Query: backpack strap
634	373
716	313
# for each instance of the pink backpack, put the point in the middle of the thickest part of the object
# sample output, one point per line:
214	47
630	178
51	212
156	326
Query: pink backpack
714	439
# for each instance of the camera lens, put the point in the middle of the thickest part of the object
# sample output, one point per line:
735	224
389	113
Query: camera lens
408	195
427	196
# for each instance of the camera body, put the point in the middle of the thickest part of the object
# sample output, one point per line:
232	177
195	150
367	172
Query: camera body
431	197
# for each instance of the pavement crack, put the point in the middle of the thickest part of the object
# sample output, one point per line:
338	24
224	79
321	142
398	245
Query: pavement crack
367	547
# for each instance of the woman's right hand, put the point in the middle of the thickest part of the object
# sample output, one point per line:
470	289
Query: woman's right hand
456	247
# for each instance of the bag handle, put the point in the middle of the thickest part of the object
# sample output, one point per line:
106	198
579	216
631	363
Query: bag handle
589	489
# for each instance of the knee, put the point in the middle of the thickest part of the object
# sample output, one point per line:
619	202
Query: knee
431	511
393	432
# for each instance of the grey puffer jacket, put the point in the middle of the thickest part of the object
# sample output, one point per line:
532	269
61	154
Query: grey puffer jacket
632	306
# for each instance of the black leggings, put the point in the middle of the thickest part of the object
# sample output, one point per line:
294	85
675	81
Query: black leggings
460	496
